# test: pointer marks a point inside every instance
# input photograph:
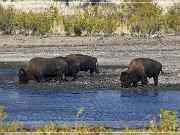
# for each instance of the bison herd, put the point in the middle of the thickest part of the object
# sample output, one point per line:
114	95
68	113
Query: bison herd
58	68
44	69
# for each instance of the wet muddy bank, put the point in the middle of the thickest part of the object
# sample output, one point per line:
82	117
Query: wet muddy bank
113	53
109	78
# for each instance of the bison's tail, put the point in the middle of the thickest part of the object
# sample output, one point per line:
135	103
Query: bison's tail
97	64
162	72
96	70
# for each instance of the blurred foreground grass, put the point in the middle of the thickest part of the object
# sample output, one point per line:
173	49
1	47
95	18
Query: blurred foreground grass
169	124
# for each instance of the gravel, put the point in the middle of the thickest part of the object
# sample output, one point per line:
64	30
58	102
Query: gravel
114	53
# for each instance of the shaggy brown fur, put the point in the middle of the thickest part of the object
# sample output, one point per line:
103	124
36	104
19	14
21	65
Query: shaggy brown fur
86	62
39	69
73	67
138	70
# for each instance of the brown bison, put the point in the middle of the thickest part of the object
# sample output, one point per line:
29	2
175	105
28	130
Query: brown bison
39	69
138	70
73	67
86	62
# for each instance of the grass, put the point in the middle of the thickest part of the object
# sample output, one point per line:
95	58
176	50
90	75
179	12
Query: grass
169	123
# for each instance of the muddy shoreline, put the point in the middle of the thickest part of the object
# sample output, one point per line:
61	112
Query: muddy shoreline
109	78
113	54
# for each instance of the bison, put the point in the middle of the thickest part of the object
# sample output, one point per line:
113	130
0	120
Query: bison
73	67
86	62
138	70
39	69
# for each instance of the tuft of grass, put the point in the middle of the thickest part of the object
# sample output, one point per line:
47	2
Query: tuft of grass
3	115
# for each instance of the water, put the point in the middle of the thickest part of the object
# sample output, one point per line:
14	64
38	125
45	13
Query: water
114	108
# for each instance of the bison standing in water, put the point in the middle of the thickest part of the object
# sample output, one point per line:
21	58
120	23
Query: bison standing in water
138	70
73	67
39	69
86	62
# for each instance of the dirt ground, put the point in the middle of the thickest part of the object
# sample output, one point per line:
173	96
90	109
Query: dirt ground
113	53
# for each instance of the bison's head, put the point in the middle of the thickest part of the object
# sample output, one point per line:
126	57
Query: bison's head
23	76
124	78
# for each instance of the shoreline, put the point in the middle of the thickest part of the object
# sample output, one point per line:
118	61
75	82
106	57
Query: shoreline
107	80
114	53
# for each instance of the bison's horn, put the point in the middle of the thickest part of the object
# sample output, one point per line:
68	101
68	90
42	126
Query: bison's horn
22	72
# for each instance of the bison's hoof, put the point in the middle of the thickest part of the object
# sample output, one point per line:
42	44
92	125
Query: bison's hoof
58	82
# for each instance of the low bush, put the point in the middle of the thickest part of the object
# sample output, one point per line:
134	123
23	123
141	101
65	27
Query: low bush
173	18
7	19
14	126
29	23
144	18
168	122
141	19
3	115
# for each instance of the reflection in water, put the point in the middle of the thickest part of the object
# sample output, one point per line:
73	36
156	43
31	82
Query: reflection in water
139	92
114	108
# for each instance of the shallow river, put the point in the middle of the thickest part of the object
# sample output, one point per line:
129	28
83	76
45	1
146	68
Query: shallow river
114	108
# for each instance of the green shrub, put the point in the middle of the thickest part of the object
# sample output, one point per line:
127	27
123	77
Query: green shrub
3	115
74	24
14	126
102	19
142	19
40	23
6	19
68	27
168	122
30	23
173	18
79	128
93	20
49	128
78	25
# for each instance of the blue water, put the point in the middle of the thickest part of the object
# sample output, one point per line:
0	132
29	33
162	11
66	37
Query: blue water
114	108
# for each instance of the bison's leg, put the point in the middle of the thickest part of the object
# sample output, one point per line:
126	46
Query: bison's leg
65	78
144	80
97	72
155	79
60	76
39	79
94	70
91	71
135	84
75	77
